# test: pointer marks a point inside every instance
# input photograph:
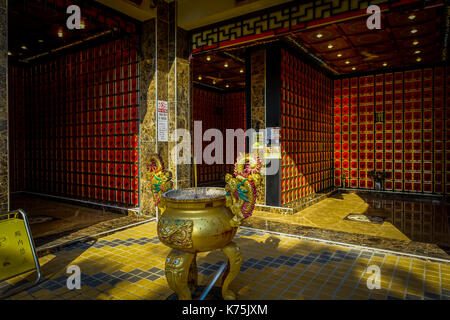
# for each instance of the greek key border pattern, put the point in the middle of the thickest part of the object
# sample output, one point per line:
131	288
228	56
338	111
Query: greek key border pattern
281	19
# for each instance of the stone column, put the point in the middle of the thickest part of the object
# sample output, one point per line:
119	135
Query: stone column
179	95
147	128
183	101
154	72
256	90
263	75
162	72
165	75
4	154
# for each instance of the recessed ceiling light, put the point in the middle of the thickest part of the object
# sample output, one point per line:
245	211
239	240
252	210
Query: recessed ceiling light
227	86
319	35
353	68
413	30
241	71
417	52
82	25
200	78
24	47
419	59
330	46
208	58
412	17
384	64
347	62
415	42
60	34
214	81
339	55
40	41
9	53
226	65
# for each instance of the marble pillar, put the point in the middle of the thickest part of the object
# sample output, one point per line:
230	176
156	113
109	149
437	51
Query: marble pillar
258	102
165	76
183	102
147	128
4	154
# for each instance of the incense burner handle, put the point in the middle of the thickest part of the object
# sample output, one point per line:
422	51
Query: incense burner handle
241	190
160	179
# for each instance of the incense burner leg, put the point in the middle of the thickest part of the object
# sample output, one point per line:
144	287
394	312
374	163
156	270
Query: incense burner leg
234	266
181	273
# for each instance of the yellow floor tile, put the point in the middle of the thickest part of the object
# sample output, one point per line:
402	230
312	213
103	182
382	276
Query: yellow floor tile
317	280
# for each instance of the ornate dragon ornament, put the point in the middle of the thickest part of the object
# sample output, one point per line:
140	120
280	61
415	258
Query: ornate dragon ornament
242	188
161	180
176	232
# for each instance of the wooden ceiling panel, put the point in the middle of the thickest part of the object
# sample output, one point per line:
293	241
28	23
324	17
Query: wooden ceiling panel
217	70
370	37
378	49
331	46
37	27
339	55
404	19
354	27
415	30
357	60
319	35
417	42
405	39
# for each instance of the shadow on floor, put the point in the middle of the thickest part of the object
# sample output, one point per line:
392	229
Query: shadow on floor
278	282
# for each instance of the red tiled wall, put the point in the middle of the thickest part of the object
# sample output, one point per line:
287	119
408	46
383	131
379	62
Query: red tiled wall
221	111
306	130
81	125
393	122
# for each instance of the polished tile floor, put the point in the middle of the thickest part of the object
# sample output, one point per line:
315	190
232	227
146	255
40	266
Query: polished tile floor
407	219
62	216
53	221
130	265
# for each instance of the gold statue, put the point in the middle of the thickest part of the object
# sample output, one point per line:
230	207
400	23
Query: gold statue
203	219
160	179
242	189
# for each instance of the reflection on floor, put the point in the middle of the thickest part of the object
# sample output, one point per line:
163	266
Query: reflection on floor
54	221
417	226
405	218
130	265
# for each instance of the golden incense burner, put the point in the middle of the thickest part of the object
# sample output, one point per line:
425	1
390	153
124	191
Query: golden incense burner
203	219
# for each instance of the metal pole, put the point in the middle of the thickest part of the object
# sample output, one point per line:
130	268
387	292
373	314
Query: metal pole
213	281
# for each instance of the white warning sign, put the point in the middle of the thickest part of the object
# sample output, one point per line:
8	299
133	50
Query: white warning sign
163	121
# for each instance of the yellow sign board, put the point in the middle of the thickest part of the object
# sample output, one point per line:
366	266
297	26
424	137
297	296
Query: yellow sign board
16	248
